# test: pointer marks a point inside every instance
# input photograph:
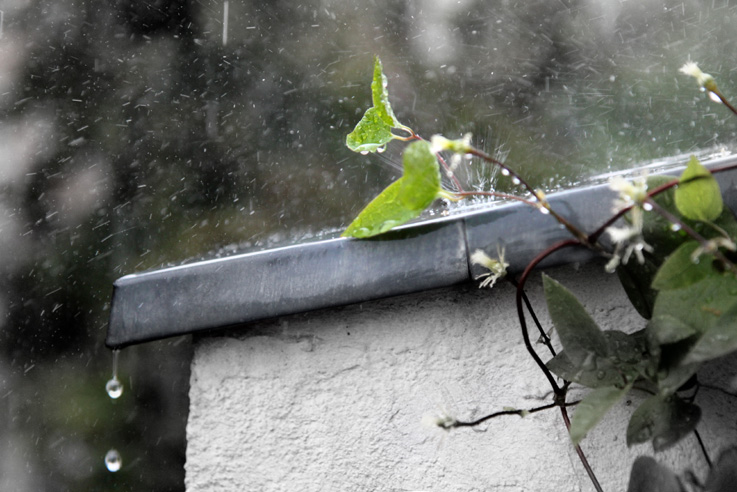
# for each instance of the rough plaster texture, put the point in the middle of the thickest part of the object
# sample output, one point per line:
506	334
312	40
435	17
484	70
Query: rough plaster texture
333	400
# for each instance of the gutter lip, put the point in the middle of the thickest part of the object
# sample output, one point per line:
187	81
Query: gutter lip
243	288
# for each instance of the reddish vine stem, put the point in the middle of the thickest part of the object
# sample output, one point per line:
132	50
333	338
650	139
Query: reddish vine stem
560	393
543	336
449	172
505	169
521	314
543	204
717	93
579	451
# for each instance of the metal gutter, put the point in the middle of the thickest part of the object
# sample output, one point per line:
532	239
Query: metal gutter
239	289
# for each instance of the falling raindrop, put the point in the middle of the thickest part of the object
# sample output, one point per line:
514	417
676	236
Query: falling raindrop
113	461
647	206
114	387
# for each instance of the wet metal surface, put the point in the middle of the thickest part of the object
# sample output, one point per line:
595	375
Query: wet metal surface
239	289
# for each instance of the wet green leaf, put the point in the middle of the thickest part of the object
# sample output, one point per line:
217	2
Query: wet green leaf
404	199
592	409
380	96
679	270
582	339
720	339
370	134
698	196
374	130
664	420
600	372
627	358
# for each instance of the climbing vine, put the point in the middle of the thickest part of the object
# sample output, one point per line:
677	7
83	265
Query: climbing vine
670	240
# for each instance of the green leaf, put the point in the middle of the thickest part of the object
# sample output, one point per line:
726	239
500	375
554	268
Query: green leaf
592	409
669	329
599	373
699	305
663	419
698	196
648	475
374	130
679	270
582	339
636	280
628	357
370	134
404	199
718	340
672	372
682	317
421	176
380	96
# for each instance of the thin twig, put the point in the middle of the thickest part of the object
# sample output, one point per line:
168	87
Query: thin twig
703	447
519	412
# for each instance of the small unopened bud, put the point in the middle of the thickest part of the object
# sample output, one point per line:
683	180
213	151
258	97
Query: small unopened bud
703	79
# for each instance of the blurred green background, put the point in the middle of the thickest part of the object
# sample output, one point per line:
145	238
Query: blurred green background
138	134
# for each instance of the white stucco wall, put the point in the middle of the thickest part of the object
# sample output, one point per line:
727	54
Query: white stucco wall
333	400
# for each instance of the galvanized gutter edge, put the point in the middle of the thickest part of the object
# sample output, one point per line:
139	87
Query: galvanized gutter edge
232	291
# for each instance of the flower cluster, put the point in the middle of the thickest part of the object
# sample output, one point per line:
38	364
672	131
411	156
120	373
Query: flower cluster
439	143
628	239
711	246
497	268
